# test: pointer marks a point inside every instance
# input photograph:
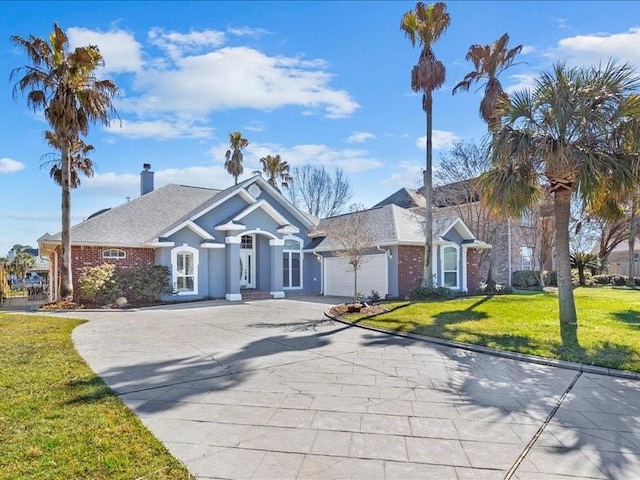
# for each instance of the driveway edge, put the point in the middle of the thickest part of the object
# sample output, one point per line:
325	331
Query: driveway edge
522	357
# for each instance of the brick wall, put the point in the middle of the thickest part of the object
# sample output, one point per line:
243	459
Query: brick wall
473	269
410	260
85	256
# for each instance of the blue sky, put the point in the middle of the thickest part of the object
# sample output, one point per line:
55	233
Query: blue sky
325	83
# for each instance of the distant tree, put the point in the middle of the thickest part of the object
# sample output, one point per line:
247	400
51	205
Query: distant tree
22	263
4	284
352	238
318	193
234	157
63	84
276	171
582	260
425	25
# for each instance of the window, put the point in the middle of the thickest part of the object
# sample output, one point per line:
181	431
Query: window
246	242
114	254
526	258
291	263
526	218
184	267
450	267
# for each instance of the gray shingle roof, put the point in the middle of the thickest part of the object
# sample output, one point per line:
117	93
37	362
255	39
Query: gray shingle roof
390	225
142	219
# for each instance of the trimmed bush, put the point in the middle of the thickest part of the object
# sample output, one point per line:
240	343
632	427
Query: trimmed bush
143	284
103	284
531	278
430	293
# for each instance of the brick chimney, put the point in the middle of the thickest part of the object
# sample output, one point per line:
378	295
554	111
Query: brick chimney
146	179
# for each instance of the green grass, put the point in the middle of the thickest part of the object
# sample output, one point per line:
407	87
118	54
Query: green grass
58	420
608	332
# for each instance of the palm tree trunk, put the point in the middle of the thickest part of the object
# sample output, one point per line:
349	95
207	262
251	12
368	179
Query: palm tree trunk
633	231
66	281
562	211
427	273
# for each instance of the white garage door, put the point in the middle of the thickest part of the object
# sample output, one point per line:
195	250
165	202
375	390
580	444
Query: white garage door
372	275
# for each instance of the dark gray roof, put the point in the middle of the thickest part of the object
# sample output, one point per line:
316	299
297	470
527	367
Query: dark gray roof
142	219
405	198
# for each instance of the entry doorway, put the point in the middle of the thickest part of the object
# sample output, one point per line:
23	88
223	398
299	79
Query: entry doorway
247	262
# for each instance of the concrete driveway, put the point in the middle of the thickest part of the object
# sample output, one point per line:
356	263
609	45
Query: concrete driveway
273	390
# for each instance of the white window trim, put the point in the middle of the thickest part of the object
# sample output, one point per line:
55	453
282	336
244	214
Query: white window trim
285	250
442	270
531	258
110	257
174	268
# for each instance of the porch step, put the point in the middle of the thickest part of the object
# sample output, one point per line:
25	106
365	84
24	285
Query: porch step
254	295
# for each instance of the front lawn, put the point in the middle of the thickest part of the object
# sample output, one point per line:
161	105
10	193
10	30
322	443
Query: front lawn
608	331
59	420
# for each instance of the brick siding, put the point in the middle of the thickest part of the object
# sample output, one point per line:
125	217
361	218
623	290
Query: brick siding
410	259
86	256
473	270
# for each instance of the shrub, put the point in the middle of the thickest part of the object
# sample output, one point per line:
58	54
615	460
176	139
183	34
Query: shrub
575	277
525	278
104	283
602	279
143	284
98	284
374	296
430	293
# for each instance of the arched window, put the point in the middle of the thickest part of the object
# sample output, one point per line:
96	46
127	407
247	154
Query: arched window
184	270
292	263
450	264
114	254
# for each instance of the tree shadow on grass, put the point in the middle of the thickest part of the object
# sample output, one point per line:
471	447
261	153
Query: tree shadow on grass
630	317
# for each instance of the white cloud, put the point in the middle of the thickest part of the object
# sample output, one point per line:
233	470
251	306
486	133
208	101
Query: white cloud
360	137
237	77
522	81
247	32
598	48
121	52
159	129
527	49
177	44
8	165
406	174
440	139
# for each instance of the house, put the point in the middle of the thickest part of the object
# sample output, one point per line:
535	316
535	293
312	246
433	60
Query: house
36	274
517	244
217	243
618	261
249	239
394	263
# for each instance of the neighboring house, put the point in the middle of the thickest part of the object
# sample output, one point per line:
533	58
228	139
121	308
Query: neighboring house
218	244
618	261
38	274
516	243
394	263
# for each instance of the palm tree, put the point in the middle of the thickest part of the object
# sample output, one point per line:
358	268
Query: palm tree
233	157
489	61
80	162
425	25
558	137
22	263
276	171
63	84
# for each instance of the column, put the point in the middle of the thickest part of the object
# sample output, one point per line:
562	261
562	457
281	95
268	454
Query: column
233	269
276	245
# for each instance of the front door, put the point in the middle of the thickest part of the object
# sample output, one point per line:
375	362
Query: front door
247	262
